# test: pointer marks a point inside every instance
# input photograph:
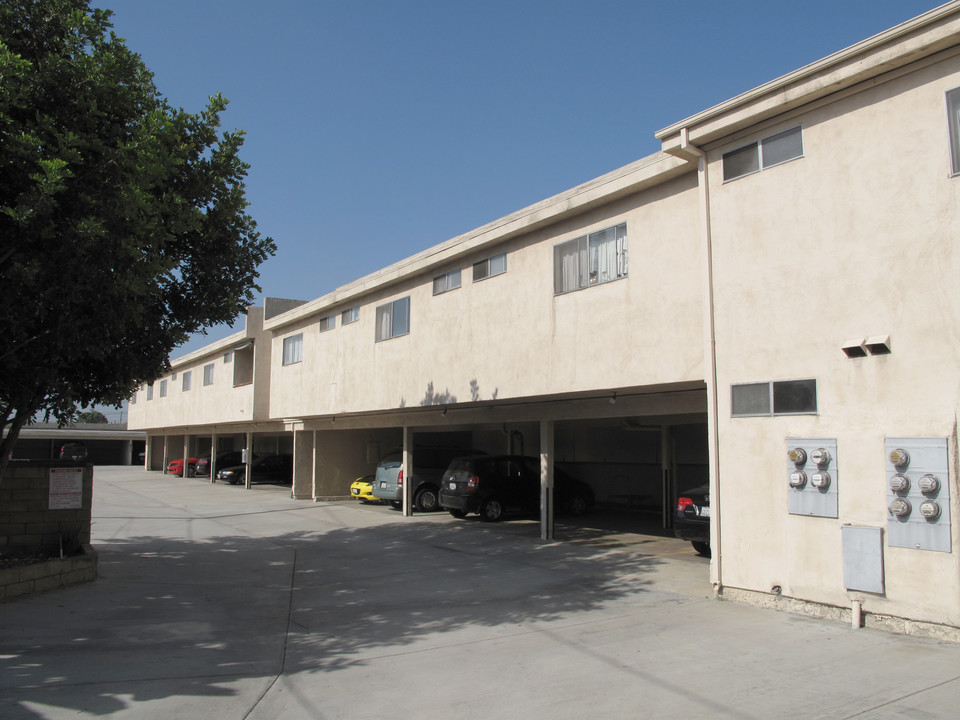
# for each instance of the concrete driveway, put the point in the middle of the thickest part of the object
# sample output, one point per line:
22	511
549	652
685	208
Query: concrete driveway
219	602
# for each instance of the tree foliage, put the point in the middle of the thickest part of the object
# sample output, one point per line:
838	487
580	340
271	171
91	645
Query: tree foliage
92	417
123	223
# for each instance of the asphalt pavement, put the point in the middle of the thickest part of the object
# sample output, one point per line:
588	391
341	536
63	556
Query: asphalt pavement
215	601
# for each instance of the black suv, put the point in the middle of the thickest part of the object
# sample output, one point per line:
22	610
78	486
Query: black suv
494	485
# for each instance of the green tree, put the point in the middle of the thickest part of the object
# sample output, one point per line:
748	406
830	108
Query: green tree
123	223
92	417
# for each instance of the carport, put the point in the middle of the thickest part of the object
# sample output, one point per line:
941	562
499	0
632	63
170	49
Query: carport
635	446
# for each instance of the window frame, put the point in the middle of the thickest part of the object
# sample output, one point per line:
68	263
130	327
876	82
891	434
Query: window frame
350	315
328	323
771	409
953	129
150	391
208	374
292	349
487	264
392	332
448	281
758	146
163	388
582	246
186	380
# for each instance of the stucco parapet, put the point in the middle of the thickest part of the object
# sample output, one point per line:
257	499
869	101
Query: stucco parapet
895	48
642	174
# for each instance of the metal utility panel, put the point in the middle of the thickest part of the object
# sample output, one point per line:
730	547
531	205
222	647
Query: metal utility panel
812	477
863	558
918	493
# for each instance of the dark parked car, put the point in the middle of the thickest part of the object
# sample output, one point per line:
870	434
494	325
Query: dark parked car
495	485
73	451
269	468
225	459
428	466
692	519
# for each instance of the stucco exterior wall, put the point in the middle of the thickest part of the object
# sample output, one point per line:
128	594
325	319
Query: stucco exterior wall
509	336
855	239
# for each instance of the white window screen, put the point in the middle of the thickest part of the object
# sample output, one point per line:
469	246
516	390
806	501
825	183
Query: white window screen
163	388
293	349
208	374
186	381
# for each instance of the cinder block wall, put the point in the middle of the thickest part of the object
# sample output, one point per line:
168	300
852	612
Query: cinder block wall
27	522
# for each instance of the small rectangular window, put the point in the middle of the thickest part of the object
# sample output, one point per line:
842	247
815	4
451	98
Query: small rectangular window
393	319
495	265
953	118
208	374
350	315
227	357
163	388
150	391
328	323
133	399
794	397
446	282
293	349
772	150
187	377
781	397
593	259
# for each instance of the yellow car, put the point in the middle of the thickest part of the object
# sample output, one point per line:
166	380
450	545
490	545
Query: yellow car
362	489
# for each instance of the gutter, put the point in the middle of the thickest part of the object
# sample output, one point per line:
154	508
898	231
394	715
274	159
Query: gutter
688	151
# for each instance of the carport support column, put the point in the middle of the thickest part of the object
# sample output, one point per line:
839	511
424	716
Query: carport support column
128	452
212	465
407	471
249	450
546	479
166	452
186	455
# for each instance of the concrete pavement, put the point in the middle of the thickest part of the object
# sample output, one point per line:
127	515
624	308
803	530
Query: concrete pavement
218	602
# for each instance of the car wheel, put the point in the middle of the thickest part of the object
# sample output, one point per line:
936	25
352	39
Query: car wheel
457	513
702	548
192	471
491	510
578	505
398	504
235	481
426	500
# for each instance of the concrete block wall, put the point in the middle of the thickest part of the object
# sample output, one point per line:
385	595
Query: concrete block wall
28	524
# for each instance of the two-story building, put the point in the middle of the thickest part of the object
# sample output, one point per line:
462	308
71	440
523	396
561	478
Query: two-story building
769	304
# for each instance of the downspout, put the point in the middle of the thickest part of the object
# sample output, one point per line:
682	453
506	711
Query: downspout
710	337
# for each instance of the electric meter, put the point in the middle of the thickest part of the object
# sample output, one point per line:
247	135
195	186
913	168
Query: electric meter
820	480
900	507
929	484
930	509
899	458
820	457
798	456
900	483
798	479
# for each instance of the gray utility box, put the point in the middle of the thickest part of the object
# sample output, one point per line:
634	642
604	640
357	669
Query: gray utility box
812	477
918	493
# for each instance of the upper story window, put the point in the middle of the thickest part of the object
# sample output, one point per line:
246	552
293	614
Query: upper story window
765	153
350	315
293	349
227	357
328	323
393	319
781	397
150	391
494	265
953	118
163	388
133	399
446	282
208	374
592	259
187	377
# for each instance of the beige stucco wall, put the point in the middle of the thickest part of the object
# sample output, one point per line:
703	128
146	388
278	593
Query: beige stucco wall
508	336
858	238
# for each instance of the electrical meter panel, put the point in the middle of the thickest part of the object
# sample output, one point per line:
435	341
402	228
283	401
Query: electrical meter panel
812	477
918	493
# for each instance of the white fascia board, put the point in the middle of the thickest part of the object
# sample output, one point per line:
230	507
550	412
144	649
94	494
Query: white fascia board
921	37
647	172
213	348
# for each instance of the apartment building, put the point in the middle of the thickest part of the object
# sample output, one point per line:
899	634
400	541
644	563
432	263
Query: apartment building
769	304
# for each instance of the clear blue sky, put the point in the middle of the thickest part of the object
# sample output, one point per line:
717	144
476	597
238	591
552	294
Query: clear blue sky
377	129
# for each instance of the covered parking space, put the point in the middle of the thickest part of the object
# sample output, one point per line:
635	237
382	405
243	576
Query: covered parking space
635	447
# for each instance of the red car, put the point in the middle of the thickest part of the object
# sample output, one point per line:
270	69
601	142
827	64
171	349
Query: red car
175	467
